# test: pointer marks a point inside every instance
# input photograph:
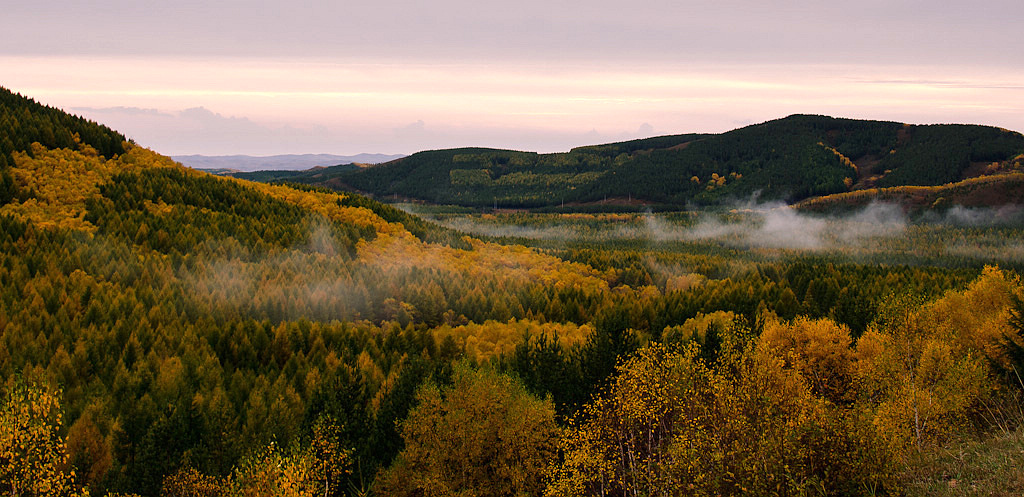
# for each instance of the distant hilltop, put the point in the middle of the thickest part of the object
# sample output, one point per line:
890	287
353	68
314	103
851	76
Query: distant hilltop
820	163
293	162
791	159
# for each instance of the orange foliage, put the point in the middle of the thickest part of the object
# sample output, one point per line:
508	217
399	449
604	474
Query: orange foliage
819	349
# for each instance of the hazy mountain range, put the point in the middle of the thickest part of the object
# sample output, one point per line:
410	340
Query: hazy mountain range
291	162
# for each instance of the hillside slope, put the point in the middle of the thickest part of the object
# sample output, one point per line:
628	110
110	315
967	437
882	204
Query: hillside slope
23	122
189	320
994	190
789	159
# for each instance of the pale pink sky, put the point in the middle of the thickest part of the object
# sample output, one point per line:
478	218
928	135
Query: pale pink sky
396	77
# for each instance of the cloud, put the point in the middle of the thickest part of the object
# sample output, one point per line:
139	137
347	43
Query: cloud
198	130
935	83
413	132
120	110
417	127
733	31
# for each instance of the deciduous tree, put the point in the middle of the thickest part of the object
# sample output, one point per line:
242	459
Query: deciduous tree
485	435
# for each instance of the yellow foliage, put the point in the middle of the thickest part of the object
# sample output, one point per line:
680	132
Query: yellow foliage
301	471
951	190
671	426
483	436
918	373
842	158
974	319
63	179
925	368
325	204
684	282
517	264
187	482
696	327
493	339
819	349
33	456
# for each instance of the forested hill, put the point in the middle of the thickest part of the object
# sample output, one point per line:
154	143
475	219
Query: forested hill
156	320
791	159
23	121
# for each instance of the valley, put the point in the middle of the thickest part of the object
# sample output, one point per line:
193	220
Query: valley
831	304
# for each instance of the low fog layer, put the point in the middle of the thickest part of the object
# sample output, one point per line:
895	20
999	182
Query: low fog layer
878	226
781	227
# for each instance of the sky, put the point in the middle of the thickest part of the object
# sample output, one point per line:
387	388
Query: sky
390	76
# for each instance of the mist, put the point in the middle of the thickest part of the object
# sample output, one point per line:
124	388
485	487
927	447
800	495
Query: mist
313	279
317	279
564	231
959	215
750	225
778	226
878	229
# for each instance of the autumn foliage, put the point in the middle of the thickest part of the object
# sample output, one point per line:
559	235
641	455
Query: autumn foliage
798	409
188	335
485	435
33	453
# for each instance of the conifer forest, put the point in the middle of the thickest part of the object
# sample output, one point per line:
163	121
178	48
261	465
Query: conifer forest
659	329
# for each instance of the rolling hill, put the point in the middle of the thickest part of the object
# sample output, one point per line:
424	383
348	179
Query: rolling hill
790	159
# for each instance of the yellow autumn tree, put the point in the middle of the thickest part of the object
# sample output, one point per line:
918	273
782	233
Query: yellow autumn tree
915	381
33	456
670	425
485	435
309	469
329	460
274	471
819	349
619	444
188	482
975	319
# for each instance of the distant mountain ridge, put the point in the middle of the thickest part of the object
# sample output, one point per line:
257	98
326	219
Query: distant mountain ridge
289	162
792	159
788	159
